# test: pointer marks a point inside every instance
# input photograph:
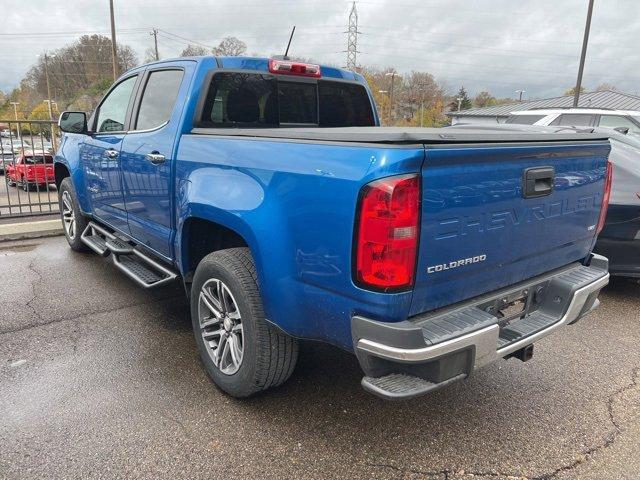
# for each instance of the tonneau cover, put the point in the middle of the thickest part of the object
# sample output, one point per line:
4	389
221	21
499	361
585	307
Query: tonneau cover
413	135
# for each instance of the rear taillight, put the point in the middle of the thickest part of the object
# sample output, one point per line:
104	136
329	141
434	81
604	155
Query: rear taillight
387	233
294	68
608	179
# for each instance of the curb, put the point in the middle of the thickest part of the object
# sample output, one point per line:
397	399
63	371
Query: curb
19	231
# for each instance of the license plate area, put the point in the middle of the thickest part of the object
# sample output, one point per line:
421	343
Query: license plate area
513	306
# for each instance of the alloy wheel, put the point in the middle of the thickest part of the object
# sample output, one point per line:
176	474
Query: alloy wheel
68	215
221	326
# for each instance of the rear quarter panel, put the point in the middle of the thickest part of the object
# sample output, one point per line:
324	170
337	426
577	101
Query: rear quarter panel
294	203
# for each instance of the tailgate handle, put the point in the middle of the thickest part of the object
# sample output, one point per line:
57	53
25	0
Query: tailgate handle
538	182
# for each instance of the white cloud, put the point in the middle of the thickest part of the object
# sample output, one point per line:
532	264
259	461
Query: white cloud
499	45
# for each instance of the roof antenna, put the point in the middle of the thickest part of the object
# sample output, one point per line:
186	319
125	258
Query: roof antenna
289	44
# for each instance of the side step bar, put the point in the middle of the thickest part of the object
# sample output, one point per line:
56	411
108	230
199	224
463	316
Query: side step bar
141	268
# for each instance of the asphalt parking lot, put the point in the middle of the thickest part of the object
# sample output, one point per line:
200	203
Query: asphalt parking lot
101	379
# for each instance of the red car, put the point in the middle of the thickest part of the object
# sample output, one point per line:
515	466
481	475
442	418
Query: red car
31	169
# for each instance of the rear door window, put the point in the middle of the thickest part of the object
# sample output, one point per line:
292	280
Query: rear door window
158	99
248	100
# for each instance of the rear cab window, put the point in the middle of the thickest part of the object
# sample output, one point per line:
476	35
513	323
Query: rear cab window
256	100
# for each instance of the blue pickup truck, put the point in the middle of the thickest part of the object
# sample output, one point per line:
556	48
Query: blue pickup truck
269	188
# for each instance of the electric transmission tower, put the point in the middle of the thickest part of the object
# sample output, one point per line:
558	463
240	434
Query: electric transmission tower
352	38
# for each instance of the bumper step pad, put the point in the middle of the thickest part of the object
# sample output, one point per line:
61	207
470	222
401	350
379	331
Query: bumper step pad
141	268
400	386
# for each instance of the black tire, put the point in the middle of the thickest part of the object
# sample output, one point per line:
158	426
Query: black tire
25	185
80	220
269	355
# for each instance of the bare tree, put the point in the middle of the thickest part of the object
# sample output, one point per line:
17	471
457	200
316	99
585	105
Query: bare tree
230	47
77	68
606	86
149	55
194	51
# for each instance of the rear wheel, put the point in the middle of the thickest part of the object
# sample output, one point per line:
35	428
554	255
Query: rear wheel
242	353
24	184
73	221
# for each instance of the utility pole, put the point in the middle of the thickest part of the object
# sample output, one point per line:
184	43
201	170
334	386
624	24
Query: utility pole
15	109
46	74
459	99
352	38
154	34
114	48
583	55
393	76
520	92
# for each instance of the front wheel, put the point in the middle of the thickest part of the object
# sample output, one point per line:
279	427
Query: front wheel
73	221
242	353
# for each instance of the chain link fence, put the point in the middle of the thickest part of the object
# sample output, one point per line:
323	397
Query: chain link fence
27	179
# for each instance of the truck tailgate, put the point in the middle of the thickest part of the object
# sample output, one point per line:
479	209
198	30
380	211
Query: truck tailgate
479	233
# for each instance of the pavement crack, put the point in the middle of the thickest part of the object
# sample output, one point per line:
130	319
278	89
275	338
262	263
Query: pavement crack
608	440
44	322
430	473
34	295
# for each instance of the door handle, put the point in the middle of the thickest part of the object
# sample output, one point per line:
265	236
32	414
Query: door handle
538	182
156	158
111	153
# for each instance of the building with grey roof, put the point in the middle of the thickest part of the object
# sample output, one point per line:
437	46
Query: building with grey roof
606	99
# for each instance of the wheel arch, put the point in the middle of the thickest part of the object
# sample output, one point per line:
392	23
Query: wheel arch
201	235
60	172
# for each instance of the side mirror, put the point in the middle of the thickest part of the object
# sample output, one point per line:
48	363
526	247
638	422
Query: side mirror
622	130
73	122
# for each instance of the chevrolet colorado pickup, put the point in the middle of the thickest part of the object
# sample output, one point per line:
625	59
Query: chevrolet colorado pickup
270	189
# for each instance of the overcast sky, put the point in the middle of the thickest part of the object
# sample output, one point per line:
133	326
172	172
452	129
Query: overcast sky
498	45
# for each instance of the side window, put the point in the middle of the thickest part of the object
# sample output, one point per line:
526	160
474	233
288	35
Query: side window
113	110
158	99
613	121
573	120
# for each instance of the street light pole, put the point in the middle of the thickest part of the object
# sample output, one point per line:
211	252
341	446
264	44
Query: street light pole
520	92
114	49
46	74
583	55
459	99
15	109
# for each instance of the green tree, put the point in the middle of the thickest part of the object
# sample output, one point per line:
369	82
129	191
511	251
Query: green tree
572	90
462	99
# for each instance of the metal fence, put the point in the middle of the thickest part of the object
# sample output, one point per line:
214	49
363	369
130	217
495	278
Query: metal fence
27	180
